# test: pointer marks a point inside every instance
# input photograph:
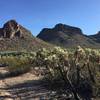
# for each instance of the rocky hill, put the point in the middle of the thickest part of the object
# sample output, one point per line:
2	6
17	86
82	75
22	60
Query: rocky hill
14	37
96	37
68	36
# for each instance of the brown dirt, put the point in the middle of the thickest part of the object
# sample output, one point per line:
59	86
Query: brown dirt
24	87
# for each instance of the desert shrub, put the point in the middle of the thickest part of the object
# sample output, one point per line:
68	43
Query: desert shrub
78	68
18	63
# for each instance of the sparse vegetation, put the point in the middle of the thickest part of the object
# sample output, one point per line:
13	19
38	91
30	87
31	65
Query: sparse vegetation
17	62
78	70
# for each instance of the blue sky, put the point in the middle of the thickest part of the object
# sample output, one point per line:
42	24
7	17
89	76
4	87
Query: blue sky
37	14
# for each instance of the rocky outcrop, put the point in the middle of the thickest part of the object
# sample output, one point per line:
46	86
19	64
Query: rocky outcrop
11	29
67	29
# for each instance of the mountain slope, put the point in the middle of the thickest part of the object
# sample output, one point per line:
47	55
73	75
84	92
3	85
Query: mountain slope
14	37
96	37
67	36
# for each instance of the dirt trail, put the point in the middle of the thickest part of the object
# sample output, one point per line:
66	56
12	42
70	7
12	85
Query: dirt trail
4	94
24	87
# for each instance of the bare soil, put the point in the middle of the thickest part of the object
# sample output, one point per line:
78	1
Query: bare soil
24	87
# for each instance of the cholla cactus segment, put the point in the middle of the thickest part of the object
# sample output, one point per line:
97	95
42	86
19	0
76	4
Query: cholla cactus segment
51	57
60	50
80	49
79	53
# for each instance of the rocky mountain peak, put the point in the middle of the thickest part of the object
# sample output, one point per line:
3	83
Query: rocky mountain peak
58	31
67	29
15	37
11	29
98	33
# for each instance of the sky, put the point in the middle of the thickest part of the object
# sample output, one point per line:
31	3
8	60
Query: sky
38	14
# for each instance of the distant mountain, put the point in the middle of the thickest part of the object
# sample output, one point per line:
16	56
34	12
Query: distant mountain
68	36
96	37
14	37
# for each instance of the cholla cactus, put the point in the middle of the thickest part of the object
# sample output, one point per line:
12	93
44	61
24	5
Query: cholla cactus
79	54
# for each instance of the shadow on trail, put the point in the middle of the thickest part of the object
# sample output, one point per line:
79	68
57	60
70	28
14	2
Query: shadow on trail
30	90
42	90
11	74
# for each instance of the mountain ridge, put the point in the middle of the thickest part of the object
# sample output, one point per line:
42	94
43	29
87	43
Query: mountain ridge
68	36
14	36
